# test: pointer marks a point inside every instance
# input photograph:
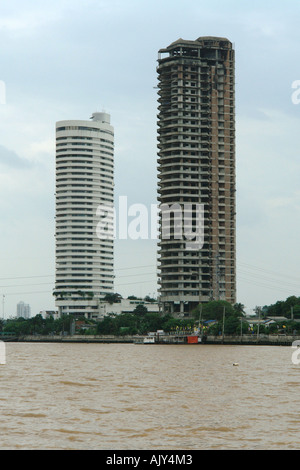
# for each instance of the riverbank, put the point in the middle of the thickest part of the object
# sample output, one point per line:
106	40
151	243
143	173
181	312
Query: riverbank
271	340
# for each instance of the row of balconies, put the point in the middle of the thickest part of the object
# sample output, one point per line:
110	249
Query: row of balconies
206	189
93	168
76	284
204	269
81	201
197	199
200	157
196	127
166	279
96	274
195	174
174	252
182	112
167	250
175	178
202	70
198	96
90	271
90	148
83	184
70	193
182	189
187	191
190	174
204	263
172	106
203	83
73	176
80	242
176	143
77	207
201	132
86	259
91	177
100	153
84	200
70	161
207	200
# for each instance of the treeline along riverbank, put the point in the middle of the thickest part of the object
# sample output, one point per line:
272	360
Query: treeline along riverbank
271	340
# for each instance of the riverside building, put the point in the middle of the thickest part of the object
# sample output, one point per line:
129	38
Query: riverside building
196	164
84	182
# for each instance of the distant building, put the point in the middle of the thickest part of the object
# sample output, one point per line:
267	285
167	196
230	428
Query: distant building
49	313
23	310
84	183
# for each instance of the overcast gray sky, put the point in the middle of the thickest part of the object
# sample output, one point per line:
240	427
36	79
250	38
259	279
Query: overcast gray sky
67	59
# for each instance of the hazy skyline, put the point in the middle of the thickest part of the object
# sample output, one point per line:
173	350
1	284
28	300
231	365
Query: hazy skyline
68	59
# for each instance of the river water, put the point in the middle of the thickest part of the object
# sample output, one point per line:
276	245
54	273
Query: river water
128	396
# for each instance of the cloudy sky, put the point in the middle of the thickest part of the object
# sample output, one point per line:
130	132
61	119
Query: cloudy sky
66	59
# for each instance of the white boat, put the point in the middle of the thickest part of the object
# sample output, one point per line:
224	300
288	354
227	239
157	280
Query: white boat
149	340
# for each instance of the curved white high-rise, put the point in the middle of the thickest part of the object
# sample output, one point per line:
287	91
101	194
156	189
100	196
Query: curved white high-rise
84	182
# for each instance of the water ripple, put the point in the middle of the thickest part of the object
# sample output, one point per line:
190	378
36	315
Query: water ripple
99	396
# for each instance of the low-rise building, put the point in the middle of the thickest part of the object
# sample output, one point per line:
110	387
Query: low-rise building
49	313
126	306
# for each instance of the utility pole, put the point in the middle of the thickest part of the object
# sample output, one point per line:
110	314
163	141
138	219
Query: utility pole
218	274
258	323
200	318
223	328
3	299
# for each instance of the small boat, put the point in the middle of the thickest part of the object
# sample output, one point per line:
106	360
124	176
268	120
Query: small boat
149	340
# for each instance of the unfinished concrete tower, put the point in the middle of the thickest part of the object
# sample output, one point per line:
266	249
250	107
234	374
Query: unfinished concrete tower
196	164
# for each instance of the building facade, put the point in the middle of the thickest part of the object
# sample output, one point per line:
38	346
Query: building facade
196	165
84	186
126	306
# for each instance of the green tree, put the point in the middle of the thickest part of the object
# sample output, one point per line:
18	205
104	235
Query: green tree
149	299
107	326
214	310
296	311
171	324
128	321
232	325
150	322
64	323
140	310
283	308
239	308
112	298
